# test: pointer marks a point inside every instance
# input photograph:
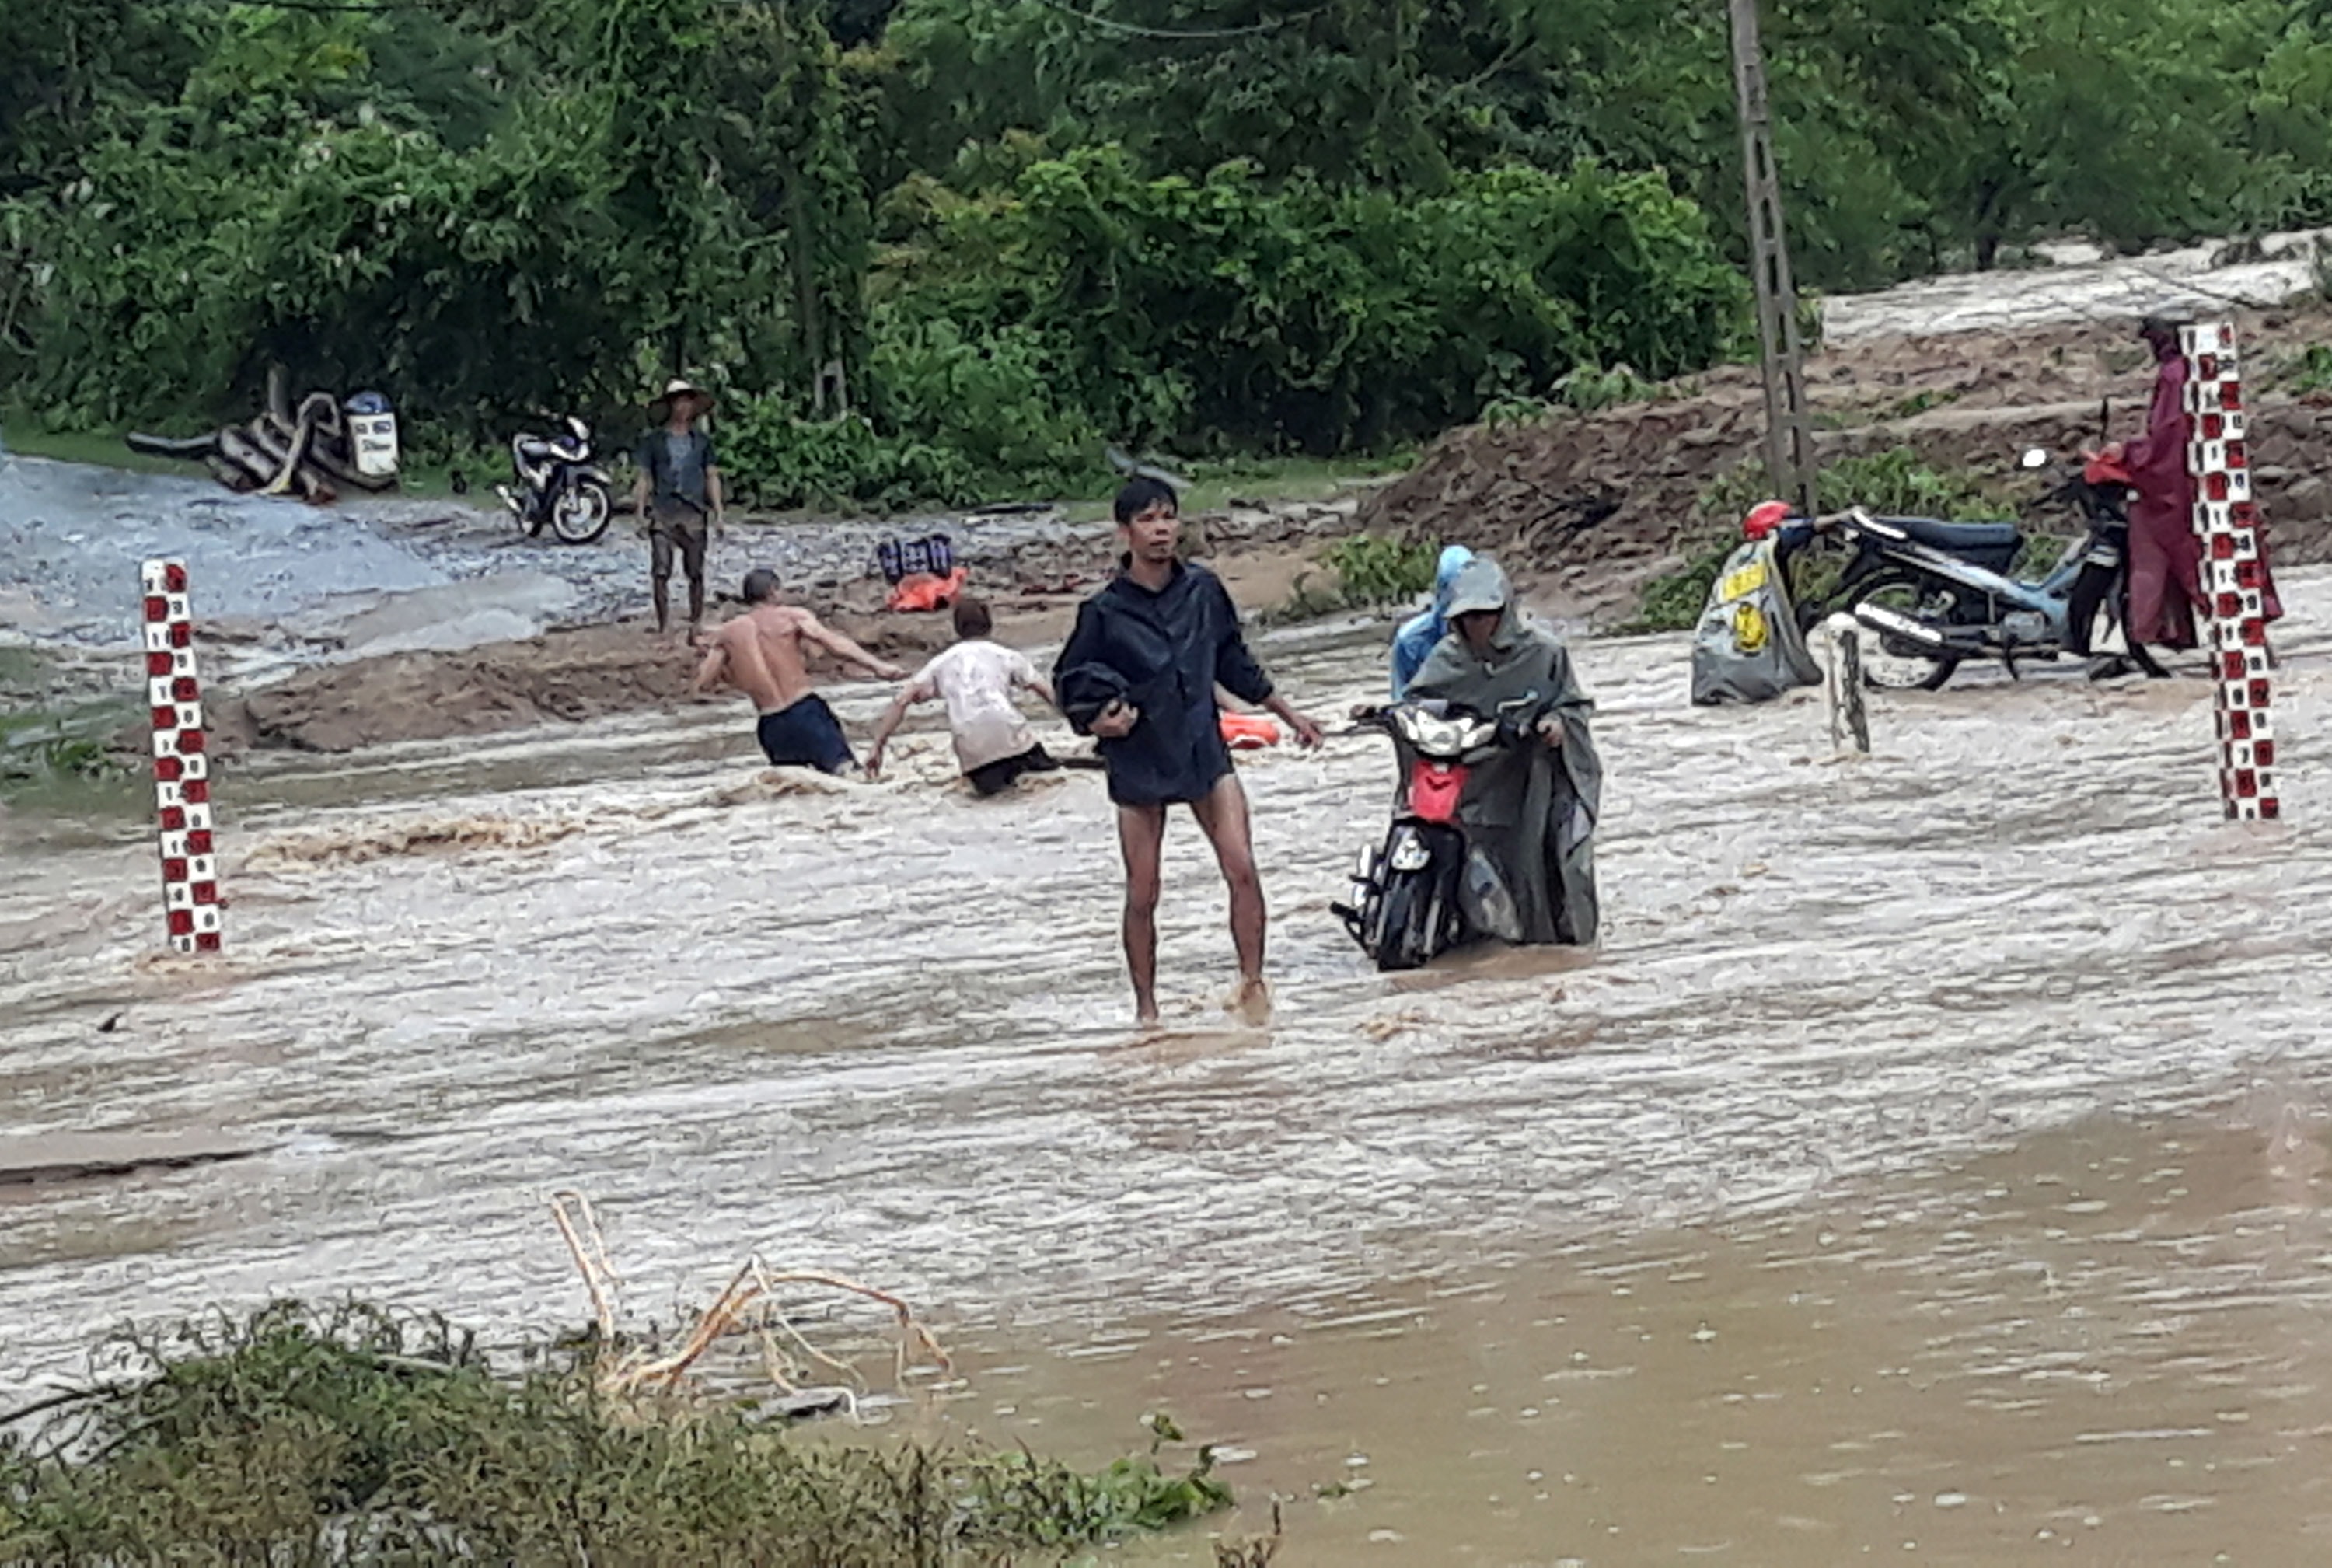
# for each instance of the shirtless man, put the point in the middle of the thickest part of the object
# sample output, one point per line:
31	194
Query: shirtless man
760	654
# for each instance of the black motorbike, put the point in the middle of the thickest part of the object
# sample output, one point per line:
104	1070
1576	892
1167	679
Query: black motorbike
1404	908
558	485
1935	594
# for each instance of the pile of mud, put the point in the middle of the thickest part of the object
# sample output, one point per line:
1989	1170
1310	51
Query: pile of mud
569	676
432	695
1587	508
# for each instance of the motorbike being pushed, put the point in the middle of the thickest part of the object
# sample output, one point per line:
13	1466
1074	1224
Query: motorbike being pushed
1938	594
558	485
1407	905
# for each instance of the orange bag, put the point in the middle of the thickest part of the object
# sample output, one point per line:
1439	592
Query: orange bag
1248	731
922	591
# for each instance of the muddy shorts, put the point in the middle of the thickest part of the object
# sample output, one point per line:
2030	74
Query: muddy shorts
992	778
676	526
805	734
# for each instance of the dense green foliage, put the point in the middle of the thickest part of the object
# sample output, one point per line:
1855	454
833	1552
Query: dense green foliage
350	1437
1020	227
1375	569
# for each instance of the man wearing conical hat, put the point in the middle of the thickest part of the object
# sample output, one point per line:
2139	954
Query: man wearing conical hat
678	496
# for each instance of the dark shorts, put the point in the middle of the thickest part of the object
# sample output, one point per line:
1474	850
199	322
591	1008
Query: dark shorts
993	778
805	734
678	527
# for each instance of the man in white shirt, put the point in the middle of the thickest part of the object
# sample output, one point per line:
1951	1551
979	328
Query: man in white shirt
976	679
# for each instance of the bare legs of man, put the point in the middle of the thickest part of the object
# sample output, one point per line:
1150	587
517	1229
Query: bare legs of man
660	589
1140	837
663	544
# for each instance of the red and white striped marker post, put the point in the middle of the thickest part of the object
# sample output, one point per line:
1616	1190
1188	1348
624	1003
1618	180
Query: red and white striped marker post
182	767
2226	521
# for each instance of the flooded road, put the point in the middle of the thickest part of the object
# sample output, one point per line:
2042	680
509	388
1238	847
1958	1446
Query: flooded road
1931	1162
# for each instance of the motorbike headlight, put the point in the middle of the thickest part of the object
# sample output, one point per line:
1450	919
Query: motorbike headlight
1410	853
1440	737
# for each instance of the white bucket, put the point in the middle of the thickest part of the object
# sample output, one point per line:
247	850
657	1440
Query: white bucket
374	436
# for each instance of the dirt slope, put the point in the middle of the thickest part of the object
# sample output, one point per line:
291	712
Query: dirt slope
1587	508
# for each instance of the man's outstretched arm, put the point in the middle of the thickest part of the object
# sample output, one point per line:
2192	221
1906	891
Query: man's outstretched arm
842	647
888	724
1244	678
1025	675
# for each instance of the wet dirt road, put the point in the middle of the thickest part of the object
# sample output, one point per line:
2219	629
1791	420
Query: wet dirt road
1932	1156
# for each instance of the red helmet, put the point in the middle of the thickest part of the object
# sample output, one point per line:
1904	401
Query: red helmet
1765	518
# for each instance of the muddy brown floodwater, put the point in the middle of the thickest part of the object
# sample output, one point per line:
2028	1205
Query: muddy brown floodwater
1930	1166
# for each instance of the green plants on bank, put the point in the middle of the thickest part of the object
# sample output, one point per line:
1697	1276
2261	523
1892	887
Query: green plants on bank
60	746
2310	371
1378	569
351	1435
1590	390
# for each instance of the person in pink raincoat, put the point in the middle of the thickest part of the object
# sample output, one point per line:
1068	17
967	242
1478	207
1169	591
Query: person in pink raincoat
2165	586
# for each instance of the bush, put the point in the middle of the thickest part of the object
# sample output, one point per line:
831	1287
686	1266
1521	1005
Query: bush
354	1436
2311	370
1894	482
996	400
49	745
779	458
1295	316
1375	569
956	419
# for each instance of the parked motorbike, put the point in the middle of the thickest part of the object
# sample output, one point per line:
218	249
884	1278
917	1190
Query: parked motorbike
558	485
1404	908
1936	594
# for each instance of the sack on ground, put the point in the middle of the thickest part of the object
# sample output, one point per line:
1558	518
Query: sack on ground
1748	647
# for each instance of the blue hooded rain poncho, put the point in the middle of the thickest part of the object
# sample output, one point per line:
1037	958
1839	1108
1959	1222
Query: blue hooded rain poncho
1420	633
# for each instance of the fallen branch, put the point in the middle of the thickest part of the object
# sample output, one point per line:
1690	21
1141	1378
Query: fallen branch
747	1305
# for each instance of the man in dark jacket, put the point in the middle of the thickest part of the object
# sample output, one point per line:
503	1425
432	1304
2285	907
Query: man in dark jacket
1140	673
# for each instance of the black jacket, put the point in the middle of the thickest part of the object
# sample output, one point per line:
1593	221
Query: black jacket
1163	653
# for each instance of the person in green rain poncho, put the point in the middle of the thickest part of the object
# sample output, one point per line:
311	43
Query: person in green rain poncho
1530	812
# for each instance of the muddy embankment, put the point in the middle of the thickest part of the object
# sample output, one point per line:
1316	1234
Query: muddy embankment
1587	508
580	673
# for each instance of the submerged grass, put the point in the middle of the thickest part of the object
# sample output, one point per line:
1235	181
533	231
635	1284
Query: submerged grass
354	1436
61	753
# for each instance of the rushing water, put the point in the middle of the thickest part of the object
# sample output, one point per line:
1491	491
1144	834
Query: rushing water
1930	1162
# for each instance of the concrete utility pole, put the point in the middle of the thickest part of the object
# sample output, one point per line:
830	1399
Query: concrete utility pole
1789	442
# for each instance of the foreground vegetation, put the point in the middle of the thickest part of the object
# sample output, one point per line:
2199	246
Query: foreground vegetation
1001	232
353	1437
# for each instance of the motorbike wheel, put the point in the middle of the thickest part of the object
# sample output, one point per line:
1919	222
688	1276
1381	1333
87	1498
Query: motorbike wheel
1405	921
1894	664
581	512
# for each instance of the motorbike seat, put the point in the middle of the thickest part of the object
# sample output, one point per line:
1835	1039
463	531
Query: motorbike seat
1966	538
535	448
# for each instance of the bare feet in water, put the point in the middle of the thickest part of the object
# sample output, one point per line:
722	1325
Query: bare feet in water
1251	1003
